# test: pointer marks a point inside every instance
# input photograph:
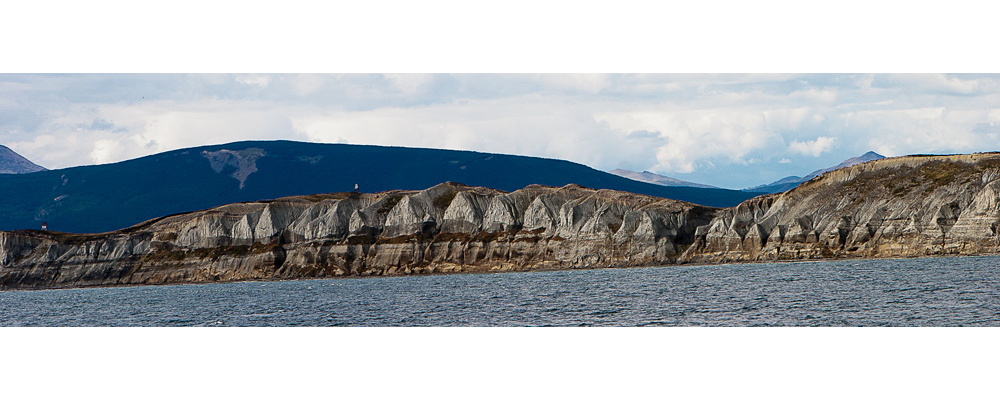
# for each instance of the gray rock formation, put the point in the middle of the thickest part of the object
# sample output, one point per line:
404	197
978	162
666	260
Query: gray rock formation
446	228
898	207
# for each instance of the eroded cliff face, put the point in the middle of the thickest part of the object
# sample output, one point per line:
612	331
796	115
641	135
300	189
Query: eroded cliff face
446	228
900	207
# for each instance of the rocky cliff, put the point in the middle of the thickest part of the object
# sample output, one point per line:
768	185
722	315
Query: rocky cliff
446	228
899	207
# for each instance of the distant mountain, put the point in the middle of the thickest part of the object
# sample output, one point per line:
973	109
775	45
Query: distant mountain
788	183
13	163
646	176
869	156
102	198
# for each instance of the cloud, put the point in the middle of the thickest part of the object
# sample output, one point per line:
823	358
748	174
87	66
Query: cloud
105	151
943	84
254	80
164	127
586	83
86	135
644	134
692	136
100	124
923	130
307	84
989	128
813	148
410	84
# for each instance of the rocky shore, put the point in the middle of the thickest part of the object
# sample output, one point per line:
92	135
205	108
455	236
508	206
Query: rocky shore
896	207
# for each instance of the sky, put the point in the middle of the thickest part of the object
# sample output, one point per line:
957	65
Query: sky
728	130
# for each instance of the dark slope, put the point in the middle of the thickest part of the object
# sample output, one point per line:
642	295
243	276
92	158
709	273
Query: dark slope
112	196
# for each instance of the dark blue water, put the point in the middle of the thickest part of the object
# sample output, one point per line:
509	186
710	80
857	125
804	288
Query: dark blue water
962	291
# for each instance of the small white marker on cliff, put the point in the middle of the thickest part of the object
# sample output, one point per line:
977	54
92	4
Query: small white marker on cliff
45	226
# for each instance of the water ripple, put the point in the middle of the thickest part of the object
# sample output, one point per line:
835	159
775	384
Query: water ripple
912	292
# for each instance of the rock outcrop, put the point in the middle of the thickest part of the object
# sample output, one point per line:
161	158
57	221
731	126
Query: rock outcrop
447	228
898	207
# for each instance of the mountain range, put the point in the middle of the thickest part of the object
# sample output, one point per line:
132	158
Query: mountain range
101	198
781	185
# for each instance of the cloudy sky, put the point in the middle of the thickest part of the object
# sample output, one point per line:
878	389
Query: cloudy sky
729	130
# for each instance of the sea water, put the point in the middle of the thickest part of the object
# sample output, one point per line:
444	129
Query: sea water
947	291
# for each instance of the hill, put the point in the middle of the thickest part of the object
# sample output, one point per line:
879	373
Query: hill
13	163
103	198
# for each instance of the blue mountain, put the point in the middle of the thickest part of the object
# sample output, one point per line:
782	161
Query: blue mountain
107	197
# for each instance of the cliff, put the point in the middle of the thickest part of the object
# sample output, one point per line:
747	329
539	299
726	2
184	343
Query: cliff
894	207
898	207
446	228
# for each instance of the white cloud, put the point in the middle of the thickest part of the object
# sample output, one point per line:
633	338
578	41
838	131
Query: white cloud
784	161
692	136
178	129
307	84
253	79
148	128
815	95
939	83
813	148
586	83
922	130
410	84
105	151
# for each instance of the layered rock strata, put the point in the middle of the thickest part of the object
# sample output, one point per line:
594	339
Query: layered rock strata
898	207
446	228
